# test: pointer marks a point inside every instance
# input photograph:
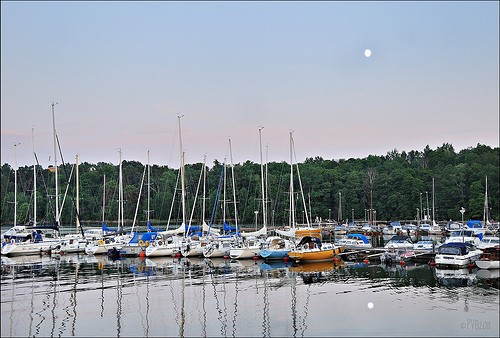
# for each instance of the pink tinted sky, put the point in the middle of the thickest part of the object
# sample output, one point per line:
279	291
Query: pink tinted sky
123	71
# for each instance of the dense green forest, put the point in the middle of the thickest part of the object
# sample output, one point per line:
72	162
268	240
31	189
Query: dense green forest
400	184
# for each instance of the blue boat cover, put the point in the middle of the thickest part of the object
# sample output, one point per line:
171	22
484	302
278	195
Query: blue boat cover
231	230
192	228
150	227
454	247
106	229
474	224
144	236
359	236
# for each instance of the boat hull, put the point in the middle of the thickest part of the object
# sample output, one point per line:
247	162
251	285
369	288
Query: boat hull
456	261
314	255
242	253
274	254
487	264
28	248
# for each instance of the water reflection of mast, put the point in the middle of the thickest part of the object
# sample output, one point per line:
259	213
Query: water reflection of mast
304	328
100	267
217	306
266	325
294	309
181	326
54	301
73	298
147	306
119	292
204	324
32	301
235	303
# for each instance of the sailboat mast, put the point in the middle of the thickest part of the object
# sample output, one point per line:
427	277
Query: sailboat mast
486	209
224	195
149	186
267	185
433	199
55	163
234	187
120	194
103	197
300	186
183	191
204	189
34	175
77	198
264	214
15	183
292	207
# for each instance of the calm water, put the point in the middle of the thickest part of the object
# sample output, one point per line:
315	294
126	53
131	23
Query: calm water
78	295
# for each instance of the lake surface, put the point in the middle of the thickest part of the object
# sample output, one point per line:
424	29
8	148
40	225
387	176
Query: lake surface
79	295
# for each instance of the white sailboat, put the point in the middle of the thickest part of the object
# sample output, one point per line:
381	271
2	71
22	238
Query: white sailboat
74	243
43	238
168	243
220	245
101	246
250	246
190	246
293	231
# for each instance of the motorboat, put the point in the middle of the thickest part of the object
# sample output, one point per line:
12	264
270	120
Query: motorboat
489	259
399	242
456	255
355	242
488	242
393	228
464	236
425	246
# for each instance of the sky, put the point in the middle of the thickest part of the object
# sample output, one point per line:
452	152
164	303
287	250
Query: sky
122	72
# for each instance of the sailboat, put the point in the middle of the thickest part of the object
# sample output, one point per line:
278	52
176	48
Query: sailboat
310	246
219	245
74	243
115	240
293	231
140	240
190	246
250	247
167	242
37	239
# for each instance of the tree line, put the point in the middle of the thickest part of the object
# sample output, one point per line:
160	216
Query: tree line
397	186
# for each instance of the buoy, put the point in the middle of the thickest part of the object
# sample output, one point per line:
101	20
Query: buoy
366	261
471	265
335	259
432	263
255	258
142	254
402	263
178	255
285	259
226	257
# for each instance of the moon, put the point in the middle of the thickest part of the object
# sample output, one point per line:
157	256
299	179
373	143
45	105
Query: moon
368	53
370	305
